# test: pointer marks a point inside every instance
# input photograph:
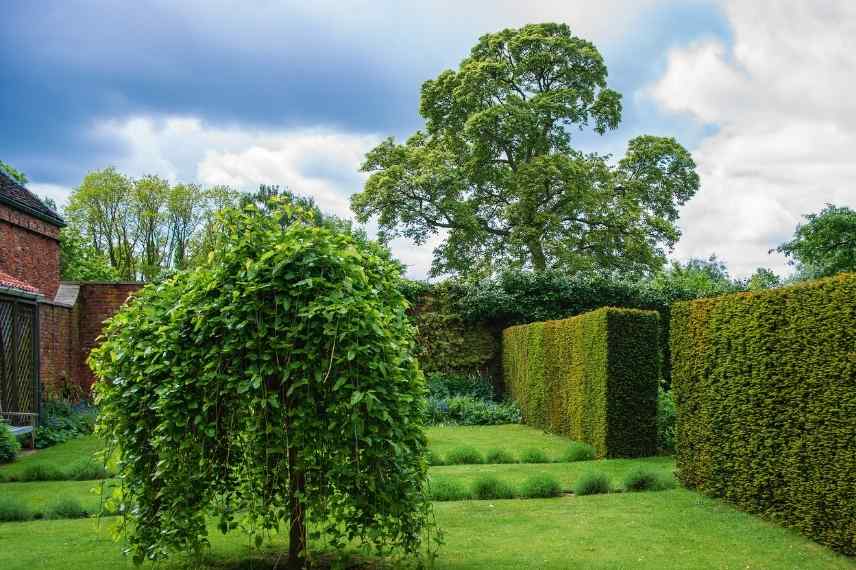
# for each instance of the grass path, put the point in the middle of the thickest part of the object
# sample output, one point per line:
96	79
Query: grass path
666	530
60	456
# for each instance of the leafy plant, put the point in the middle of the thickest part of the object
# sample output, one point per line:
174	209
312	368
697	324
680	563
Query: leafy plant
448	489
9	444
541	486
87	469
534	455
641	479
466	410
592	483
66	508
499	456
464	455
62	421
578	451
13	509
444	386
490	487
666	416
274	380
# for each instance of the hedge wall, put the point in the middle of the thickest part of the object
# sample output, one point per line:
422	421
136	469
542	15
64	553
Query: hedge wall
592	377
765	385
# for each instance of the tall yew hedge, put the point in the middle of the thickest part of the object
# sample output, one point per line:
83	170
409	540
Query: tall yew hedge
592	377
765	385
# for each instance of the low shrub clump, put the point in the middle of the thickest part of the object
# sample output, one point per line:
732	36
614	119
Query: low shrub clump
489	487
87	470
592	483
40	472
534	455
9	445
13	510
499	456
63	421
540	486
642	479
433	458
467	401
447	489
464	455
578	451
66	508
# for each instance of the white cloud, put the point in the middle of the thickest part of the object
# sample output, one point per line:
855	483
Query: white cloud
781	97
318	162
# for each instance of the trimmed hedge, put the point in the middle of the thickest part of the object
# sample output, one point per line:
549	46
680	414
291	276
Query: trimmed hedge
592	377
765	385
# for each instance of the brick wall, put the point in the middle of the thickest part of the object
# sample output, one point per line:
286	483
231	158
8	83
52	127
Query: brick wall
96	303
29	250
59	346
70	329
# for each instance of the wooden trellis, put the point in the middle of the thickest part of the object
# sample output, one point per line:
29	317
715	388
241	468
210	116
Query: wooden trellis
20	396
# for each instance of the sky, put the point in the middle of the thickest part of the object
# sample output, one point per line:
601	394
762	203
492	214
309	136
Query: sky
295	93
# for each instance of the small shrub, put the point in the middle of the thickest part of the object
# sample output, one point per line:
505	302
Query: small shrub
448	489
63	421
9	445
433	458
578	451
13	510
444	386
66	508
541	486
489	487
40	472
533	455
464	456
642	479
87	469
592	483
499	456
665	421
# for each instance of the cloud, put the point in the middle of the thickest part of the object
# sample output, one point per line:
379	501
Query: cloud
780	99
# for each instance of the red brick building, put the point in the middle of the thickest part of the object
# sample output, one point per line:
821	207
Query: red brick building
47	327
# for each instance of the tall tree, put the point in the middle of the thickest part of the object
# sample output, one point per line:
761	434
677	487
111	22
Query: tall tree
825	244
495	170
149	202
101	208
79	261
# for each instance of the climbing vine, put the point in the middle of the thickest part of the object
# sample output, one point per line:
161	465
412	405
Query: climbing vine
272	386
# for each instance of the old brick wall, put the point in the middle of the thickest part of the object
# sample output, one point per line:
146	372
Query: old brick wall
96	303
29	250
59	346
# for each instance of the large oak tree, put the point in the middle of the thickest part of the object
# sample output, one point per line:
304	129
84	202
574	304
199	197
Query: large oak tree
495	169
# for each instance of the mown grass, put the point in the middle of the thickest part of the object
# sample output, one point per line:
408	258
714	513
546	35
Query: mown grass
60	459
513	439
40	496
669	530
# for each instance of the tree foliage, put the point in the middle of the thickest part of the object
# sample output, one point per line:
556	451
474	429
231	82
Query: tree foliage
495	169
79	261
273	383
825	244
16	174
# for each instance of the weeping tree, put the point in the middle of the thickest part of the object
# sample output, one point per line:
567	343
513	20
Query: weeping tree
273	386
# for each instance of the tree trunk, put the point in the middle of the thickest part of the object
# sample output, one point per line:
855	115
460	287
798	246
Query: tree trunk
297	532
539	260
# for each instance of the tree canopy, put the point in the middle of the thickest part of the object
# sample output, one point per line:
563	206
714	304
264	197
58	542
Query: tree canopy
495	173
273	383
825	244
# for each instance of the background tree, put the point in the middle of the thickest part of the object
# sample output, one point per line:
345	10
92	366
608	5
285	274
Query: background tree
16	174
763	278
825	244
495	169
700	277
274	382
79	261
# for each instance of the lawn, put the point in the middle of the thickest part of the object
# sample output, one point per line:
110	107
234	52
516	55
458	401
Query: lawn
666	529
669	529
60	456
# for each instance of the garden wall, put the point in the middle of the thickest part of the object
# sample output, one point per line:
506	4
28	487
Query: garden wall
765	385
69	327
592	377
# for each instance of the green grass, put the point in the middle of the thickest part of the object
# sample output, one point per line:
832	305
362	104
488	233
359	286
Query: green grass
669	530
59	457
40	496
566	473
512	438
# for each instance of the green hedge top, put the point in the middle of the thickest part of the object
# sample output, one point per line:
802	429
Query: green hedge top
765	385
592	377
